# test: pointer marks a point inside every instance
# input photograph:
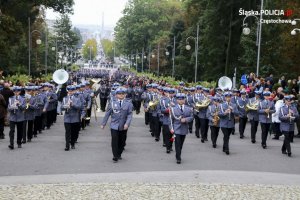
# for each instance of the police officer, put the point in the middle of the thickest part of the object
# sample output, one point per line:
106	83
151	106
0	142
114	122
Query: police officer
72	105
103	92
214	120
16	107
227	113
146	97
190	102
241	103
202	116
197	96
29	113
287	115
253	115
120	111
265	110
165	107
181	116
137	98
40	101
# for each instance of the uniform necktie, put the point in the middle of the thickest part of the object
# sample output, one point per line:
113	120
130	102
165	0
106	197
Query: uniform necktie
181	108
120	103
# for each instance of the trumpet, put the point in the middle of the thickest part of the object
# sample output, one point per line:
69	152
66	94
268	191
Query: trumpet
69	103
230	108
291	116
268	112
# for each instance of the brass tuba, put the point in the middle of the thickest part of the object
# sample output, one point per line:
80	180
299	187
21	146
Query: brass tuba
252	106
60	76
152	104
202	104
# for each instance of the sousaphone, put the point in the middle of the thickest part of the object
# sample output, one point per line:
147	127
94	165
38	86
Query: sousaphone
225	83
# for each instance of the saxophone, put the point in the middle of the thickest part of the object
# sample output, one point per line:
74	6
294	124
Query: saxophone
216	117
27	98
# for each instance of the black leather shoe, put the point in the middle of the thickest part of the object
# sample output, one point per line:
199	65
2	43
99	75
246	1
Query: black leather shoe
164	145
289	154
264	146
253	141
168	151
19	146
284	152
178	162
115	160
156	139
242	137
202	140
11	147
206	139
67	148
29	140
214	146
227	152
197	136
275	138
72	147
23	142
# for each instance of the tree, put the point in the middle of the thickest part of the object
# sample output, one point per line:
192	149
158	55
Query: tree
66	37
14	29
89	49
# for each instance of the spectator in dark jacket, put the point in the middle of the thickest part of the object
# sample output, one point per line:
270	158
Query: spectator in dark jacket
2	115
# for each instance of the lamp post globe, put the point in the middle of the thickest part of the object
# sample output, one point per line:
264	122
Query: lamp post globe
246	31
188	47
53	48
167	53
153	56
294	22
38	41
293	32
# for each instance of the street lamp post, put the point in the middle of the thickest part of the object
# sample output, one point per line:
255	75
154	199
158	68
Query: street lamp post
246	31
173	58
188	47
294	32
38	41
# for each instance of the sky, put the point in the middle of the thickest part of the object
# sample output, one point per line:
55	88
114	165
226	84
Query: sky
89	12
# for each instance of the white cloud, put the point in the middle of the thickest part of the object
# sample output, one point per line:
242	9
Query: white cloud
90	12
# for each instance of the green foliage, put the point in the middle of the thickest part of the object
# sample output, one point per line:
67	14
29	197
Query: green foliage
108	48
222	47
21	78
74	67
89	49
14	32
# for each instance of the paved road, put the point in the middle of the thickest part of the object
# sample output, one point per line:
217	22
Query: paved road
46	155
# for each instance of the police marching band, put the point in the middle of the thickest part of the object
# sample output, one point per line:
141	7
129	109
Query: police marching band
171	112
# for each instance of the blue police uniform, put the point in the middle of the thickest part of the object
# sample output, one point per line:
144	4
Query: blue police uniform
178	113
72	105
264	118
288	115
227	121
16	108
120	111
